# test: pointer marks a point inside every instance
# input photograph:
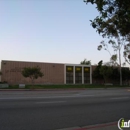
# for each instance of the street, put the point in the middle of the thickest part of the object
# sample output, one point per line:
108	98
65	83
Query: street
52	110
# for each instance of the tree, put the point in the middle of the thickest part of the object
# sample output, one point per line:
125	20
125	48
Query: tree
106	72
125	73
127	49
85	62
114	17
127	53
117	48
32	73
96	72
115	74
113	57
113	21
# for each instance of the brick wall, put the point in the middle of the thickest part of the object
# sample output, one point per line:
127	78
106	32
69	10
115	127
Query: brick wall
11	72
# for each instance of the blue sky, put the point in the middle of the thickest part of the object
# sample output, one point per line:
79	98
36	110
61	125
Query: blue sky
49	31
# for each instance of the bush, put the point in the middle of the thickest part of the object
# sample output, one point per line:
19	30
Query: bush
4	82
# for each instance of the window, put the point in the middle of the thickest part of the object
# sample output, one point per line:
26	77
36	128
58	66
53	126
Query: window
69	74
86	75
78	75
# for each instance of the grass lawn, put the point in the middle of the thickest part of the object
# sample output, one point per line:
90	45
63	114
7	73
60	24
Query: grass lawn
66	86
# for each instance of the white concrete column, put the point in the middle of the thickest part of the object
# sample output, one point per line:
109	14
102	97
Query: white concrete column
73	74
82	74
64	74
90	74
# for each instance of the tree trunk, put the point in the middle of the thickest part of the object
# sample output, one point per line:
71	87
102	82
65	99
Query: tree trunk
120	66
32	79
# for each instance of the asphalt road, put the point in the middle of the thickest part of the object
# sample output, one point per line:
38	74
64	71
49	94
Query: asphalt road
51	110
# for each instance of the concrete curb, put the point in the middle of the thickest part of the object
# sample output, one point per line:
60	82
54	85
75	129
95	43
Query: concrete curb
65	89
98	126
40	89
93	127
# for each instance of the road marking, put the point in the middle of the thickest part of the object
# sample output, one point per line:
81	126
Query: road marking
119	98
51	102
93	127
84	95
99	126
70	128
48	97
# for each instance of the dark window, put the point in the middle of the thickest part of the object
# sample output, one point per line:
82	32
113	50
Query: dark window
86	75
78	75
69	74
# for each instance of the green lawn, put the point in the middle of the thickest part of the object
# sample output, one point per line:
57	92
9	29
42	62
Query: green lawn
65	86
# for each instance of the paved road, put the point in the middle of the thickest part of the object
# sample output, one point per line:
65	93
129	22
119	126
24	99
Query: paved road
51	110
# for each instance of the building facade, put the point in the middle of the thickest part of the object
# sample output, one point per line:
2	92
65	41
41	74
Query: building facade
77	74
54	73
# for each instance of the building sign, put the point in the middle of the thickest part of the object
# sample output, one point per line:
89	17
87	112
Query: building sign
16	69
69	68
86	69
78	69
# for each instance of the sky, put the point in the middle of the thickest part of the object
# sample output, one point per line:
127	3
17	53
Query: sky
56	31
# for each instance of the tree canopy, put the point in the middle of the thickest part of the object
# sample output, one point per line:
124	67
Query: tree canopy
85	62
114	45
106	72
114	17
127	53
112	73
96	72
32	73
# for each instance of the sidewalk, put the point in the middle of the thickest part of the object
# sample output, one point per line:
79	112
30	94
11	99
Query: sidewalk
107	126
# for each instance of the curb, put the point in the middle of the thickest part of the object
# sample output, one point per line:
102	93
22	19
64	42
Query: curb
42	89
97	126
65	89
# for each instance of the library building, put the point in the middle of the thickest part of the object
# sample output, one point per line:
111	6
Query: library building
54	73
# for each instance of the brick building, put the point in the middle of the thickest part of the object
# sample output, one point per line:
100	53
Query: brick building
54	73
